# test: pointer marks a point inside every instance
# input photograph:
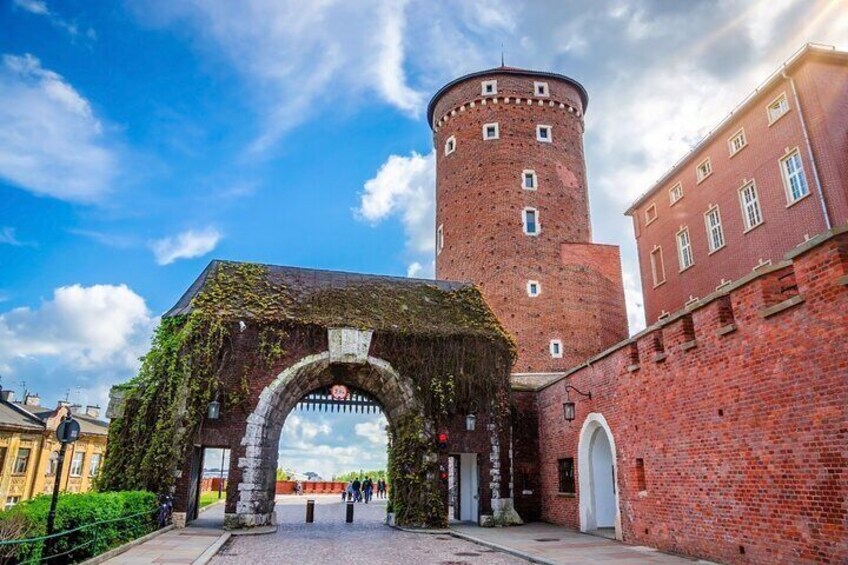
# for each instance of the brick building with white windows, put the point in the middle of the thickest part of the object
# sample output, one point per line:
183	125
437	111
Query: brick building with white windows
767	178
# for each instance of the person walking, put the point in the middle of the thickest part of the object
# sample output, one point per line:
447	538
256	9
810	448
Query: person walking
381	488
367	489
347	493
357	486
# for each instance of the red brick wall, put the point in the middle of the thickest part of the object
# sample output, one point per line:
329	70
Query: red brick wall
744	435
823	90
479	203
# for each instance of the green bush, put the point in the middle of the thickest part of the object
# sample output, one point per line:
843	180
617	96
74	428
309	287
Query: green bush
79	511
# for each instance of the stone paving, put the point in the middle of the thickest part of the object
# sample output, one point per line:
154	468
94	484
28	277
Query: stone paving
367	540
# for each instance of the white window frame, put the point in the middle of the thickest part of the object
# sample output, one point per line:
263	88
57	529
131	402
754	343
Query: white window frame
486	129
541	89
94	470
537	222
11	501
715	231
672	191
550	129
685	257
700	175
529	172
787	177
649	219
781	104
450	145
655	272
754	205
530	285
77	466
440	239
731	142
486	83
23	471
555	344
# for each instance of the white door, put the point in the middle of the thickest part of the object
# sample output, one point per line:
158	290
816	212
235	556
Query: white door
468	484
602	480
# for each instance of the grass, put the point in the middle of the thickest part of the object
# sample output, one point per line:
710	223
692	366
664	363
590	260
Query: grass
207	498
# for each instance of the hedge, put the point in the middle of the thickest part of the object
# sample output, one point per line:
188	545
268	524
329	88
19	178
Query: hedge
29	520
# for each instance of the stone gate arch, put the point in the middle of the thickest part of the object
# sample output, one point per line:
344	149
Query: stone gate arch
345	362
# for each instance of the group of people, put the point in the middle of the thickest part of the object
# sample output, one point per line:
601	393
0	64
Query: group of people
363	491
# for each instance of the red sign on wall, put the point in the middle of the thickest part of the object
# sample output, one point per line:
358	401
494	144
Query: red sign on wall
339	392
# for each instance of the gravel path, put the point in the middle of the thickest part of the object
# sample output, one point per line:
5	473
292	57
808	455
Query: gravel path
368	540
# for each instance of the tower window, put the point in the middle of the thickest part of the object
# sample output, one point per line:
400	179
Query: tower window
528	180
450	145
489	87
541	89
533	289
556	348
531	221
440	239
491	131
544	134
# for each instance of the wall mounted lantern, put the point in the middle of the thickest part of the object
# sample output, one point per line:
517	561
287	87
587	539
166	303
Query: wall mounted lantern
569	410
214	410
471	422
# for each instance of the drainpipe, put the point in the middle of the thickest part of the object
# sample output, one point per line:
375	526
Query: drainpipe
809	150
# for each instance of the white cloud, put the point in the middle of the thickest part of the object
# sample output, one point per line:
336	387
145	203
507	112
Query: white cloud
374	431
186	245
33	6
50	141
8	237
40	8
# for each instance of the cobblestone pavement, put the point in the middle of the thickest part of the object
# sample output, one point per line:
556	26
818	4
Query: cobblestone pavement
368	540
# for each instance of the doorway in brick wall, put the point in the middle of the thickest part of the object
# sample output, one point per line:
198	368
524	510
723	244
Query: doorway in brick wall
598	484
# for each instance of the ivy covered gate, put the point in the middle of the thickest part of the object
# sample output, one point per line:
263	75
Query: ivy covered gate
258	339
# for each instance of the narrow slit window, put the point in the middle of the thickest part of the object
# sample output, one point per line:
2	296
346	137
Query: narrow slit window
528	180
641	483
440	239
450	145
752	215
684	249
533	289
715	233
657	266
556	348
531	221
565	470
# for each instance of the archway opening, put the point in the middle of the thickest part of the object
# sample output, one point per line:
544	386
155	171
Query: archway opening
597	472
603	480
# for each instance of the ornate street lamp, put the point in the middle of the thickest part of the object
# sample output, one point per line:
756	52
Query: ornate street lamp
569	409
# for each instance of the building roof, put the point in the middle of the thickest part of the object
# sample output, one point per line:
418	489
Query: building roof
41	414
808	50
13	416
584	96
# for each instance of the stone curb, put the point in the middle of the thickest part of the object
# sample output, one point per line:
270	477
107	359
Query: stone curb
503	548
255	531
210	552
126	547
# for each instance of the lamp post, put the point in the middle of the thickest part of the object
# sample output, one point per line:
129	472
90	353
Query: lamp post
67	432
470	422
569	409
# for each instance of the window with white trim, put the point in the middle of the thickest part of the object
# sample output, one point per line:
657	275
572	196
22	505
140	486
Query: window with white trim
675	193
21	461
793	177
530	218
534	289
440	239
777	108
704	169
528	179
752	216
684	249
556	348
488	87
94	465
11	501
541	89
76	463
657	266
491	131
738	142
650	214
450	145
544	134
715	233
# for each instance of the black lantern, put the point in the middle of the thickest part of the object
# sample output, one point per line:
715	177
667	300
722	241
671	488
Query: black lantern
569	409
470	422
214	410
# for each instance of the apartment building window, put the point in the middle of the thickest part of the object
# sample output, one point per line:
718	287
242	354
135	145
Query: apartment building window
793	177
11	501
450	145
488	87
556	348
704	169
531	221
544	134
94	465
528	180
541	89
2	460
491	131
440	239
650	214
715	233
77	463
657	266
53	463
533	289
21	461
684	249
565	470
752	216
778	108
736	143
675	193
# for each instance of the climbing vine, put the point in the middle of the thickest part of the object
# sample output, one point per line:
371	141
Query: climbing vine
415	497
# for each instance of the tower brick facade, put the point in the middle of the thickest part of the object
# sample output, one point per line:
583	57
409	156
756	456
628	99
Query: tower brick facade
510	142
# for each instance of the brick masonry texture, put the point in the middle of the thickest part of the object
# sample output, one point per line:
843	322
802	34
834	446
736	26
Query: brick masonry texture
479	204
821	81
738	408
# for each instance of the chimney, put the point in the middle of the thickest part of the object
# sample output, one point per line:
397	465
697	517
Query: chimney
7	395
92	411
32	400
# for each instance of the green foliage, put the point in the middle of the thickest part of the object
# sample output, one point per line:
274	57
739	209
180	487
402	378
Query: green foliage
415	496
351	475
76	511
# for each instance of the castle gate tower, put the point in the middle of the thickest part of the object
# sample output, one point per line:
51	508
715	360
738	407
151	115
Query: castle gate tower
512	213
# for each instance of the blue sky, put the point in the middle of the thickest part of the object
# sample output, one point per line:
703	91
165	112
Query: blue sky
138	140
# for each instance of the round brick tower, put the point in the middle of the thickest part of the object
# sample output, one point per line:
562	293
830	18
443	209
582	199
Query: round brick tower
512	213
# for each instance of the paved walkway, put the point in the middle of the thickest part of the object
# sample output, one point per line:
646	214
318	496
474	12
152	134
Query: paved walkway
555	544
